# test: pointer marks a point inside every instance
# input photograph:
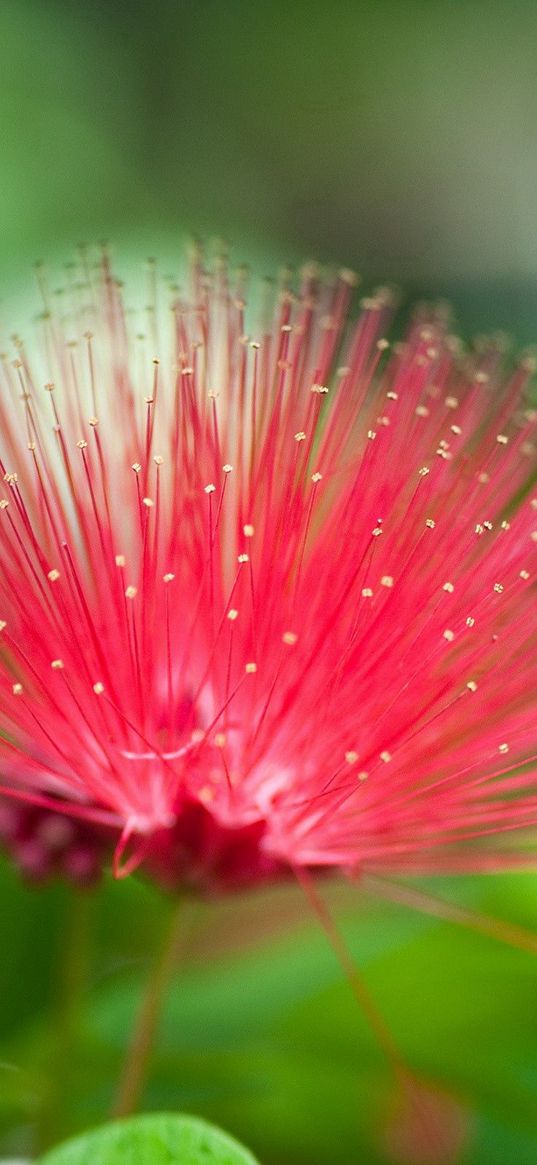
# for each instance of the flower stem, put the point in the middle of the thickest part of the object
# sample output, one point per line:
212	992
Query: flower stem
136	1064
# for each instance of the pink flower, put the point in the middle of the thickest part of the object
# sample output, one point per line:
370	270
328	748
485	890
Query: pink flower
268	600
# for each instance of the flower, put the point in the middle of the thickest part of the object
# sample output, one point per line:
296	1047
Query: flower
267	590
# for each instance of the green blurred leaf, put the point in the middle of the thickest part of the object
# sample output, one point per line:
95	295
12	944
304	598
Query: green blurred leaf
162	1139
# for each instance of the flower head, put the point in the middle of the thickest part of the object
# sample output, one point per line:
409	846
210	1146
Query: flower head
267	591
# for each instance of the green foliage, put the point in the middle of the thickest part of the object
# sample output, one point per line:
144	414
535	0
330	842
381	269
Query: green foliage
391	136
260	1033
162	1139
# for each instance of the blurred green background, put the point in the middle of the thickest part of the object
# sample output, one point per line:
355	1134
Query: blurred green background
398	138
394	135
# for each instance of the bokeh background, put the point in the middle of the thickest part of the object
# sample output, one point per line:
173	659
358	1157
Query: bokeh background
397	137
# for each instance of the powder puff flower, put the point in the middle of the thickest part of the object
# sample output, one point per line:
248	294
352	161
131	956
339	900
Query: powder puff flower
267	590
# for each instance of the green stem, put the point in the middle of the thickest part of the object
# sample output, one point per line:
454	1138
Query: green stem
136	1063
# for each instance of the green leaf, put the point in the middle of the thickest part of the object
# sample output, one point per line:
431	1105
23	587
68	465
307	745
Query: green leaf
162	1139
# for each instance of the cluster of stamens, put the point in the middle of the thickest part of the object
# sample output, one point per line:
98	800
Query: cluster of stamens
268	600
